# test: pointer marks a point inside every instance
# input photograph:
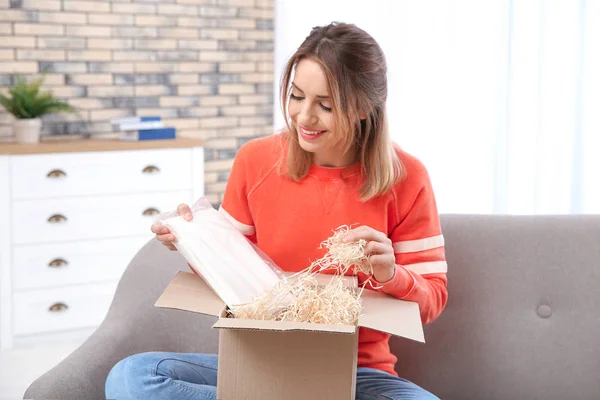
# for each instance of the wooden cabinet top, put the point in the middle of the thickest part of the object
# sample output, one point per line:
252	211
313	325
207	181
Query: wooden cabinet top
84	145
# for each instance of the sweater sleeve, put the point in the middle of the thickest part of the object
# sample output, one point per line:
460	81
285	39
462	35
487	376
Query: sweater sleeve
235	205
420	271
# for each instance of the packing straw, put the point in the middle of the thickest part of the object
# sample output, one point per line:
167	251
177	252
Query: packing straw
300	298
222	255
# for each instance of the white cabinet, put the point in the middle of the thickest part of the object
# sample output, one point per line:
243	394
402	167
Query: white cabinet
61	308
45	176
70	222
89	217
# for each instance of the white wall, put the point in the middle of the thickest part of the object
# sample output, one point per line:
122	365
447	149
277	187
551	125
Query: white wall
499	98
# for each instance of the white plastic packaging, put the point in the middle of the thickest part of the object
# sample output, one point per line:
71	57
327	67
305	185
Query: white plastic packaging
231	265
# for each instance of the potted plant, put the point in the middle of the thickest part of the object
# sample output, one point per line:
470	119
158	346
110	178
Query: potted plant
28	103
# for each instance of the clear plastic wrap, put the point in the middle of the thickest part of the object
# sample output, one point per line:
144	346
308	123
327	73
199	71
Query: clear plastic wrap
231	265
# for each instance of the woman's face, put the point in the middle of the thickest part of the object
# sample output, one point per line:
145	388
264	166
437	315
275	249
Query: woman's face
310	109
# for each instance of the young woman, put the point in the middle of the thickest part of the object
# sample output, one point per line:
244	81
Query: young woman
334	165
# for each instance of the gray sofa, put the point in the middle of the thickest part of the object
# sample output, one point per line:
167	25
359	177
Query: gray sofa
522	321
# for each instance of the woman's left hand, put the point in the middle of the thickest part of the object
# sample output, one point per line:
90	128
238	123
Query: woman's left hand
379	249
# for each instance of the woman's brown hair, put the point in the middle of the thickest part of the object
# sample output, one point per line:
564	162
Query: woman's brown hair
355	68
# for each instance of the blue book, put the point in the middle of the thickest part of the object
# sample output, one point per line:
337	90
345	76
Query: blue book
134	120
149	134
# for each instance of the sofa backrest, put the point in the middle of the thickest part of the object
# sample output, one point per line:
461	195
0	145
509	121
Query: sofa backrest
522	320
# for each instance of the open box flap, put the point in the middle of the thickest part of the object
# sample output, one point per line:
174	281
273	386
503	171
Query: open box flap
387	314
189	292
381	312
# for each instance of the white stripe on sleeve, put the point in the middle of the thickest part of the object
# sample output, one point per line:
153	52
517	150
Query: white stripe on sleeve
413	246
432	267
247	230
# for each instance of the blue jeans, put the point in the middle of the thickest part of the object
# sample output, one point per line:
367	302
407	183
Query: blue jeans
179	376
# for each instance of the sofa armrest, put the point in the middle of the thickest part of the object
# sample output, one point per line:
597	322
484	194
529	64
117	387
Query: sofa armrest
132	325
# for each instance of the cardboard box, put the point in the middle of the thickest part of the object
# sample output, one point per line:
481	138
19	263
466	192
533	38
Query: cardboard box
274	360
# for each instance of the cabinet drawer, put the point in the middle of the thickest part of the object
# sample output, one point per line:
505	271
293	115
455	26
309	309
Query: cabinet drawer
85	218
93	173
73	263
60	309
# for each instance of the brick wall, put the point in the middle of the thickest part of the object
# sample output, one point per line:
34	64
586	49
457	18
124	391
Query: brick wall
204	66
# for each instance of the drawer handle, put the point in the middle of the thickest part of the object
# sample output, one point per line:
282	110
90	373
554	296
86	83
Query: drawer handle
56	174
58	262
58	307
57	219
149	212
151	169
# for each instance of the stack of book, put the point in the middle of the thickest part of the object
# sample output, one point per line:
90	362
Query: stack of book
143	128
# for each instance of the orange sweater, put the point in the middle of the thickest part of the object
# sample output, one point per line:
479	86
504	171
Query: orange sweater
288	220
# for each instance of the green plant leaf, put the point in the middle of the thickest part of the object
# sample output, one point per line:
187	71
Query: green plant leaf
19	103
7	104
52	106
35	85
28	101
28	104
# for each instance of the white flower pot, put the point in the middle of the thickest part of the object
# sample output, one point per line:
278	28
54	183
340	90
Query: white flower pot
27	130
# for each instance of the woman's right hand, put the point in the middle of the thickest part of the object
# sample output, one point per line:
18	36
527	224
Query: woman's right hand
163	233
